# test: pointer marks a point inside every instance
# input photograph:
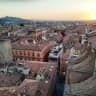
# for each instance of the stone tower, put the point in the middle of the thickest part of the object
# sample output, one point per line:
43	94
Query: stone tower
80	78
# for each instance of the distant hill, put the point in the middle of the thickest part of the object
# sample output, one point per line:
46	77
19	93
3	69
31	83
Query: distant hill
8	19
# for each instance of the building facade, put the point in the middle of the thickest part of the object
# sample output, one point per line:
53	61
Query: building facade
5	51
30	49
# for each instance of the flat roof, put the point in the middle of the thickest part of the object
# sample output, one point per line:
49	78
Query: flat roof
56	54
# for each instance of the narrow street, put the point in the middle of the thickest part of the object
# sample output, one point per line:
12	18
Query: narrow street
59	87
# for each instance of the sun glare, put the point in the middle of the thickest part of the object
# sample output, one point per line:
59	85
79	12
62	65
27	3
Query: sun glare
93	17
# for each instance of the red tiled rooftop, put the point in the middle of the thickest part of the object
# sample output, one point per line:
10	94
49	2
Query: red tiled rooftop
7	79
36	65
66	39
28	44
29	86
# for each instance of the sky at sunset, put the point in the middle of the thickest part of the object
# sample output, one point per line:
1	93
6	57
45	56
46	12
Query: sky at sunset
49	9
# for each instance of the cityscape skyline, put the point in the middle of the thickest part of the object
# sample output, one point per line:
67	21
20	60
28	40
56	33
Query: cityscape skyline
49	9
47	48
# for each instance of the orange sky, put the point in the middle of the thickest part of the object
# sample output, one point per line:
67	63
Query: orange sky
49	9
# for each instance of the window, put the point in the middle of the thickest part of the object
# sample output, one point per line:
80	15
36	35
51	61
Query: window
20	52
20	58
38	93
24	53
38	55
33	54
29	53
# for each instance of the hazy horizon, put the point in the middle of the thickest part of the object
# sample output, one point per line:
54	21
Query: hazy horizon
49	9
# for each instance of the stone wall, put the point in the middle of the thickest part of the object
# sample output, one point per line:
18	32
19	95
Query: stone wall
80	80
